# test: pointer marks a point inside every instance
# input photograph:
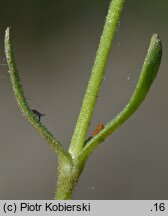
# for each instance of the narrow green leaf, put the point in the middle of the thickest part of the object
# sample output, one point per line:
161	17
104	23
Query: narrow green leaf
147	76
21	100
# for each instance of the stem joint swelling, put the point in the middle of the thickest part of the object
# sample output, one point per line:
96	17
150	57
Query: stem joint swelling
68	175
71	162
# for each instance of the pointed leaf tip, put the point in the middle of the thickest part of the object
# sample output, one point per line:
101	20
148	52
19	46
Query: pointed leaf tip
7	32
152	61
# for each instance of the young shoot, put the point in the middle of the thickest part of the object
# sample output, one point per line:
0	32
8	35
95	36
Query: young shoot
72	161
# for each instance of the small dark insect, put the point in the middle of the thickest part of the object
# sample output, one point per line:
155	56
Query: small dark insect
99	127
87	140
37	114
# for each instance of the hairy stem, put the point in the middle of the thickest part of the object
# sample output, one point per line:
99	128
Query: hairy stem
68	175
89	100
21	100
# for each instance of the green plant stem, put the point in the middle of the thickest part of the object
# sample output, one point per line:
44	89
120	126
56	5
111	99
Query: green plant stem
68	175
89	100
20	98
147	76
70	164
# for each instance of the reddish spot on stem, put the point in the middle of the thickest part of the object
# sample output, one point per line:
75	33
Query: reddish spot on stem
99	127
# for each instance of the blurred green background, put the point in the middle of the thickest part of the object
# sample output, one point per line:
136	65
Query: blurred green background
55	44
